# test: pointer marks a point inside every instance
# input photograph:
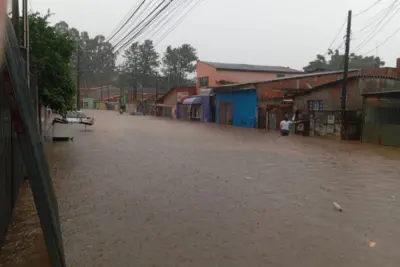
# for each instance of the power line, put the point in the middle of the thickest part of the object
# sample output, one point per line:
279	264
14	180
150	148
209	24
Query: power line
145	26
368	9
163	19
386	40
139	16
376	30
373	20
336	36
177	23
122	21
139	24
126	22
166	19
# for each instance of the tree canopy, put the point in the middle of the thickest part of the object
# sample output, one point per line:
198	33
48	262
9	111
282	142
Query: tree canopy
51	53
178	62
142	63
335	61
97	59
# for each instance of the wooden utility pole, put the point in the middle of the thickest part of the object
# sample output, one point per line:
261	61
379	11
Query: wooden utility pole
156	86
101	92
108	93
343	95
78	78
142	103
121	92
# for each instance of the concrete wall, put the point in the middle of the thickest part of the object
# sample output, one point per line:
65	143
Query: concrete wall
89	103
244	107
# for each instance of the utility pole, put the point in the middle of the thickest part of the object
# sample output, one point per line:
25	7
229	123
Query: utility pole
78	78
343	95
101	92
141	85
15	18
156	96
156	85
108	93
135	89
121	92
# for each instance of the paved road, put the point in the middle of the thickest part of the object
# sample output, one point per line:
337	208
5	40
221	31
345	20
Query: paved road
141	191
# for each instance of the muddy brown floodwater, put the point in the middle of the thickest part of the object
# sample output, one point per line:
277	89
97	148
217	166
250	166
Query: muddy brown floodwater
142	191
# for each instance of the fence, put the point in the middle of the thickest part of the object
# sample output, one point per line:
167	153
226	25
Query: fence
11	165
29	140
329	124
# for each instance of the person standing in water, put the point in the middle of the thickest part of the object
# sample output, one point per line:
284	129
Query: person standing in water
285	126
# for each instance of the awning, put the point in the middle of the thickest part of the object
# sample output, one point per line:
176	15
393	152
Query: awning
192	101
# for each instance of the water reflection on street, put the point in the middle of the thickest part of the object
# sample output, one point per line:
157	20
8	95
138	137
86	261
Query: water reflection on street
141	191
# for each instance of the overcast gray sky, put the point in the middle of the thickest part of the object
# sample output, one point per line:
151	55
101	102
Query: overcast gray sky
285	32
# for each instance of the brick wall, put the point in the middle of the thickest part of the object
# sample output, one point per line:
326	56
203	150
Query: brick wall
331	97
264	90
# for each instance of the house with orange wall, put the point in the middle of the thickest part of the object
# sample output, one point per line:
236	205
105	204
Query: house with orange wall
211	74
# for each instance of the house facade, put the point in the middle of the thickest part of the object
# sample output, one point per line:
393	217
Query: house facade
273	100
372	110
237	108
381	106
211	74
169	104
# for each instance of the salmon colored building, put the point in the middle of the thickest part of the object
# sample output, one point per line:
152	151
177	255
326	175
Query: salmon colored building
211	74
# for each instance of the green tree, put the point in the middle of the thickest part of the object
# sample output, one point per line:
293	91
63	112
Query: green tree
178	63
335	61
51	52
129	69
148	63
97	59
140	65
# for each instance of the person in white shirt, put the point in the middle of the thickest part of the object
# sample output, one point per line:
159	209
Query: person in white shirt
285	126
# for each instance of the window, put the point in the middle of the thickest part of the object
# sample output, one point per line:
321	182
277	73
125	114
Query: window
203	81
280	75
315	105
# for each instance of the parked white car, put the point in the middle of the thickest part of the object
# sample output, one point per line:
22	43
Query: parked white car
79	117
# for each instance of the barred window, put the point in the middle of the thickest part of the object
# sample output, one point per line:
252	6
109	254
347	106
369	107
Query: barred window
315	105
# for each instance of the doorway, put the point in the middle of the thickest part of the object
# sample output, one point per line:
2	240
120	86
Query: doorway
225	113
262	118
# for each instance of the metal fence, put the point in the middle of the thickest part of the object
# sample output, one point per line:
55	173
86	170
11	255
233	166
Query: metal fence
11	165
32	152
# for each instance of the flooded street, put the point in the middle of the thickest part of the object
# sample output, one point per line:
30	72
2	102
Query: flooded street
143	191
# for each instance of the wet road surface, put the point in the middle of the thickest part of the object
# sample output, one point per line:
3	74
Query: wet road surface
143	191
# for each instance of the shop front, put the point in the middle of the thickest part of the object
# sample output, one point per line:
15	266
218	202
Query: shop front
196	108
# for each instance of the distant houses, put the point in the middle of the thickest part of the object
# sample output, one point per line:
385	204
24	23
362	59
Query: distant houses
254	96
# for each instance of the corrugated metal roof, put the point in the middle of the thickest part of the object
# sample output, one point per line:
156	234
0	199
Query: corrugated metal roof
324	85
251	68
284	78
